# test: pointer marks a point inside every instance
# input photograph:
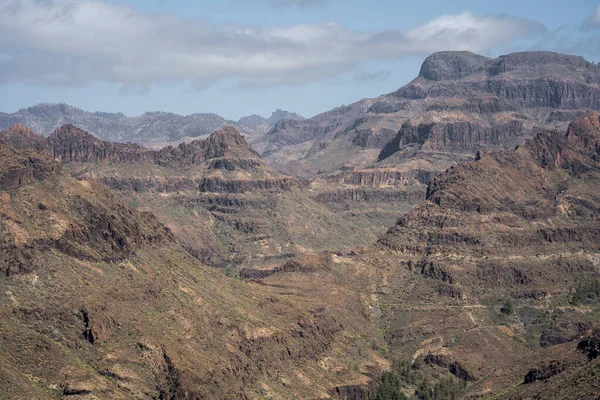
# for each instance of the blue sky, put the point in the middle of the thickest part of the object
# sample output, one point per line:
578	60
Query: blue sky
237	57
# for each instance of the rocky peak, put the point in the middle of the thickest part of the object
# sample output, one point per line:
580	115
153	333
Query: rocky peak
20	167
529	59
20	136
278	115
69	143
451	65
71	132
585	131
227	141
19	129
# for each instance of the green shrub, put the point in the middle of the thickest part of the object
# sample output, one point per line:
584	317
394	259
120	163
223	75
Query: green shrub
508	307
587	292
390	387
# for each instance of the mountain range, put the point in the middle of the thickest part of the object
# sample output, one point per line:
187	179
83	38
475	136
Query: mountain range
438	242
459	103
149	129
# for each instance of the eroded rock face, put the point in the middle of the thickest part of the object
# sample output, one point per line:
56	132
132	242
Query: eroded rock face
225	150
545	371
590	345
21	168
21	137
462	135
71	144
460	103
507	195
99	235
453	366
452	65
380	177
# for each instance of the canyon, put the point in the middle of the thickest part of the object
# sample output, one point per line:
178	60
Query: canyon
444	235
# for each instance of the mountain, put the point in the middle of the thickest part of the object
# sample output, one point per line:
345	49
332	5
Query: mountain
460	103
150	129
494	277
487	288
99	300
255	121
278	115
360	156
224	203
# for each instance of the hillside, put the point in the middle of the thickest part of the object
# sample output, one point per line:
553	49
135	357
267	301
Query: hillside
217	195
101	301
489	288
492	278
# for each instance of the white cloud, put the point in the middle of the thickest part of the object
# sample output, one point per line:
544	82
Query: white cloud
376	76
594	19
70	42
300	3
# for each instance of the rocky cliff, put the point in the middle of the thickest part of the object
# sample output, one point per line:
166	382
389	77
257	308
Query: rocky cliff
224	151
460	102
99	300
493	278
224	203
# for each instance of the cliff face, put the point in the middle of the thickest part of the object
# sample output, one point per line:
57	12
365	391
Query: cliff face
223	152
452	65
546	179
225	204
18	171
70	144
98	300
460	103
21	137
460	136
379	177
466	279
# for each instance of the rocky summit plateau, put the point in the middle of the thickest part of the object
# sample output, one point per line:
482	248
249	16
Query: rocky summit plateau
438	242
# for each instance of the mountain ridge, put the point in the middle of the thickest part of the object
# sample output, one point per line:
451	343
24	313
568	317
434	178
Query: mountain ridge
150	128
475	101
477	285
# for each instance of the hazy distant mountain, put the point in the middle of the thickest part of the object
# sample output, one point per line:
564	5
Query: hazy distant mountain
253	121
281	114
258	122
147	129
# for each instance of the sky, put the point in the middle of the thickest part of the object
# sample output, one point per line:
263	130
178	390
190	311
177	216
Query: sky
244	57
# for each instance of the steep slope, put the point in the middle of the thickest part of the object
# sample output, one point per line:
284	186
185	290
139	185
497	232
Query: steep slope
494	277
98	300
460	102
150	129
217	195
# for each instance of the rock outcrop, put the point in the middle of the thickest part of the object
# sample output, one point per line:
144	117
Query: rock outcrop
224	151
460	103
515	189
98	300
452	65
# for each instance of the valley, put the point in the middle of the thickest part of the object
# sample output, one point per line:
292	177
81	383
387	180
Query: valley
438	242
